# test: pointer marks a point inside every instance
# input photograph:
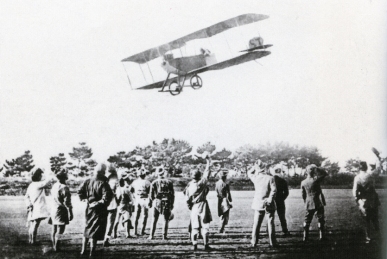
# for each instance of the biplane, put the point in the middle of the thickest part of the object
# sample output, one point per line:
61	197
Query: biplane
169	66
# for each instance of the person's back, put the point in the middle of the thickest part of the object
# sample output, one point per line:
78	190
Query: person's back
263	185
312	193
282	189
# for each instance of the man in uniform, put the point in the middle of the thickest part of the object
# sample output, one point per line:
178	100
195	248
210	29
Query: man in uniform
224	199
197	202
314	199
263	202
162	197
367	198
280	197
141	189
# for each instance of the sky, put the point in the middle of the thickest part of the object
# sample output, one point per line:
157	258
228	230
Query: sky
62	81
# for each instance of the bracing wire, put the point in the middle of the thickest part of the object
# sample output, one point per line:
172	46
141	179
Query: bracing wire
127	75
142	73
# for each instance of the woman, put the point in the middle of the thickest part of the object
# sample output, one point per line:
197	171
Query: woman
61	210
97	193
36	203
112	207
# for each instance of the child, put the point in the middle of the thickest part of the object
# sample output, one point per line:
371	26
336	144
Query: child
61	210
124	210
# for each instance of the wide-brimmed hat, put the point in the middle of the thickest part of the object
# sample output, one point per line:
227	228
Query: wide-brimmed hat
277	167
223	172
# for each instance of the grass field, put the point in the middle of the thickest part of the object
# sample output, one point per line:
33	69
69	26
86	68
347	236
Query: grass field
344	228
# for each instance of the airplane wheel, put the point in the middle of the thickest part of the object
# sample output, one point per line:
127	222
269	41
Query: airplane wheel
196	82
174	88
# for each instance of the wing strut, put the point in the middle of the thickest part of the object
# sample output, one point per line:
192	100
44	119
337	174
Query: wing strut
143	73
149	69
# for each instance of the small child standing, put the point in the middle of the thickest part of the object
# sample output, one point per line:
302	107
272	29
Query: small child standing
61	210
125	204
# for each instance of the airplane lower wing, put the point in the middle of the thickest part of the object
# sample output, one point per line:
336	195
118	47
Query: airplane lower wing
252	55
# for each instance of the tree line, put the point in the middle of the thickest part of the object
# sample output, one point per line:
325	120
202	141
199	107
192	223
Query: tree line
179	158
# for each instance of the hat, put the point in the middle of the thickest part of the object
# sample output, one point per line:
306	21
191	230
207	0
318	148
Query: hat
141	171
277	167
224	172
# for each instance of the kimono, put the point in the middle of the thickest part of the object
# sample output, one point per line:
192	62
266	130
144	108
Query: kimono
36	200
96	190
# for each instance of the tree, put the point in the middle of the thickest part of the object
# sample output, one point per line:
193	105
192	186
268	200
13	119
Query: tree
223	156
58	162
81	153
23	163
206	147
352	165
331	168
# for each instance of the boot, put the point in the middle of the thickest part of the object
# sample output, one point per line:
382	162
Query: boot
321	231
306	233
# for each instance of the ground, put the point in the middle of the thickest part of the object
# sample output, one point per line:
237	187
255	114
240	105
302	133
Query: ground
344	229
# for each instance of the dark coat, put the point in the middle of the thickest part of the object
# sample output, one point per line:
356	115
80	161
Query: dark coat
311	191
96	190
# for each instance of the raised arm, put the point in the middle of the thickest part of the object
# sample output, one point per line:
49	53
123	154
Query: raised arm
206	173
320	174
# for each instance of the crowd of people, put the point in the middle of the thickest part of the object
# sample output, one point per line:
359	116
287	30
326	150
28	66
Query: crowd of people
112	200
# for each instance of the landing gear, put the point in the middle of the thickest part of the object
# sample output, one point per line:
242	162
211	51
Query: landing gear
174	88
196	82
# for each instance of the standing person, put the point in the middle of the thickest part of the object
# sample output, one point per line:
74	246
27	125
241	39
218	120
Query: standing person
61	210
263	202
141	189
280	197
367	198
314	199
36	203
112	180
162	198
197	202
224	199
124	209
97	193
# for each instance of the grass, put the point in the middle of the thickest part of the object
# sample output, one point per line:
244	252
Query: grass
344	227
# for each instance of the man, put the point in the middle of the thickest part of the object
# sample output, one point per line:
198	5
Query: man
263	202
141	189
367	198
314	199
197	202
162	197
280	197
97	193
224	199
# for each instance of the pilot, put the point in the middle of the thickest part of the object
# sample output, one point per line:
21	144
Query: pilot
205	52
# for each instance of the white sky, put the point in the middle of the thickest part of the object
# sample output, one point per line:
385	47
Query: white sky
62	82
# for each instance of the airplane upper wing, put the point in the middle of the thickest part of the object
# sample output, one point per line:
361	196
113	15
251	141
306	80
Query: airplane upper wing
156	52
221	65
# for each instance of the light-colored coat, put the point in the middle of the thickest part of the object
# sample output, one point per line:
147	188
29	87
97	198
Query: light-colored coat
265	190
